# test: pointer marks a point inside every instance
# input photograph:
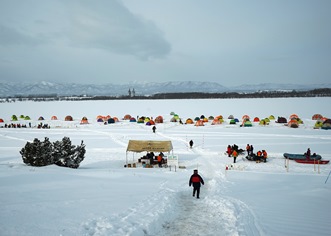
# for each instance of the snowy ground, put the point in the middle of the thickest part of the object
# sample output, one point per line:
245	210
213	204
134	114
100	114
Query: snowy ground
104	198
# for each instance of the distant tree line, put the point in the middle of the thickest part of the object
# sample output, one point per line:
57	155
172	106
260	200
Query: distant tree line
325	92
322	92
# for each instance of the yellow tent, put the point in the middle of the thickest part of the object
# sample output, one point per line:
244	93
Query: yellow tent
148	146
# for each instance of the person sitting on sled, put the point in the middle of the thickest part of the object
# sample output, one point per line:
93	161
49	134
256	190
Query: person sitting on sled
258	156
308	153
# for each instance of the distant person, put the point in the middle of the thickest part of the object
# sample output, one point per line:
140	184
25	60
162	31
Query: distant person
191	143
248	149
264	155
154	128
234	154
159	160
229	150
196	180
308	153
258	156
251	151
235	147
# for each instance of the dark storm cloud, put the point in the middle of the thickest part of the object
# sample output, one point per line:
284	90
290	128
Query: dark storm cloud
108	25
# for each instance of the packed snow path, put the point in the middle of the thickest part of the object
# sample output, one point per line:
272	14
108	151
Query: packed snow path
214	213
210	216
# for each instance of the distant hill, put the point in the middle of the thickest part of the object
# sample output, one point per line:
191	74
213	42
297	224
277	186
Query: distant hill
141	88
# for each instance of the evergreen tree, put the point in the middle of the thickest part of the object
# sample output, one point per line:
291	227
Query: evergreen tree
61	153
37	153
68	155
29	152
46	148
77	155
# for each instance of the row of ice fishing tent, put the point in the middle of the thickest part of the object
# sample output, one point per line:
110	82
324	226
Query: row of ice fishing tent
321	122
294	121
23	117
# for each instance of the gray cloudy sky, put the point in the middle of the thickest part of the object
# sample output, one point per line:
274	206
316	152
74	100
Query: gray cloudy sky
113	41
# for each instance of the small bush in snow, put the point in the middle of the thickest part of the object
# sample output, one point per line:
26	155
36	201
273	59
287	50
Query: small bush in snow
37	153
61	153
68	155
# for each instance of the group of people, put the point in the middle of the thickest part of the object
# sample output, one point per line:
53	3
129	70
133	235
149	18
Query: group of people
260	156
234	151
309	155
153	159
249	149
13	125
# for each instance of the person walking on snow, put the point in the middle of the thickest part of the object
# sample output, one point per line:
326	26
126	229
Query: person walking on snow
154	128
191	143
196	180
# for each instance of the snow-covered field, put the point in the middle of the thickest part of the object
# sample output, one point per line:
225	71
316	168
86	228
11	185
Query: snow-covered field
102	197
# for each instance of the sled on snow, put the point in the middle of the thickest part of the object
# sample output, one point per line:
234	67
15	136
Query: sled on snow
292	156
255	158
310	161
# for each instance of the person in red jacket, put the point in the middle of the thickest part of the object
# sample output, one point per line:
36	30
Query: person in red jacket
258	156
229	150
196	180
159	160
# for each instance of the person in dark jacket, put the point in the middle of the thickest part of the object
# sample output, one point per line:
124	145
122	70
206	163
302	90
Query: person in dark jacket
196	180
191	143
308	153
251	151
248	149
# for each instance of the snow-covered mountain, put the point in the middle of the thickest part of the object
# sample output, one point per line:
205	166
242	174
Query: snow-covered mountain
277	87
140	88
